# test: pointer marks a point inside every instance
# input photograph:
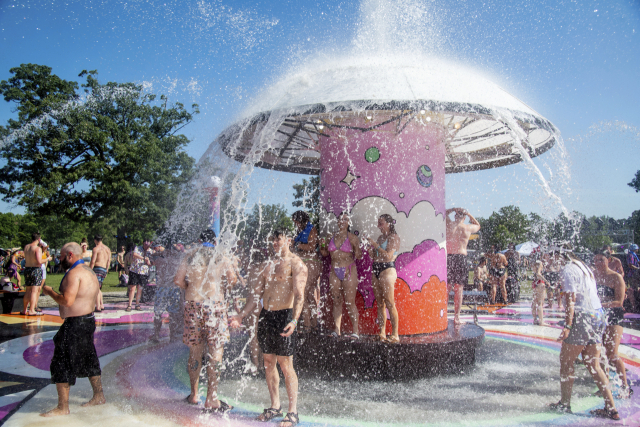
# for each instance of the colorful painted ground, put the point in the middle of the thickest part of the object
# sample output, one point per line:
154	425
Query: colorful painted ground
515	377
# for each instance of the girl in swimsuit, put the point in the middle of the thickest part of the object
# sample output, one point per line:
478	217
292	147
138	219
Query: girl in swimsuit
305	245
611	290
344	248
384	276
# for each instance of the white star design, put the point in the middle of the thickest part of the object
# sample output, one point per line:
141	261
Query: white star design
349	178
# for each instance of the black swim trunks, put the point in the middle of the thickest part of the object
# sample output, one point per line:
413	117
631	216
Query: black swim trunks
136	279
457	271
379	267
497	272
33	276
552	278
270	325
614	315
74	354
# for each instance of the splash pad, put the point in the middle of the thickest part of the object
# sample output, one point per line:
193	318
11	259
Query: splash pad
382	133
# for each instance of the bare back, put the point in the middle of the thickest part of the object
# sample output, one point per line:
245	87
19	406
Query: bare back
458	234
32	255
101	256
81	286
205	275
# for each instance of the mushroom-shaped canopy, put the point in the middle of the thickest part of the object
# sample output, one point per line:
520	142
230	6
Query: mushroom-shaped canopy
486	126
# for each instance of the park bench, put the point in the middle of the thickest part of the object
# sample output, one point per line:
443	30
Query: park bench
8	299
472	299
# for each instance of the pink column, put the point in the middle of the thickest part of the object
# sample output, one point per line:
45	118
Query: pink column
397	169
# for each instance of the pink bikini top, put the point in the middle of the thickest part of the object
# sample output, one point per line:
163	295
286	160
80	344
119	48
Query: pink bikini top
332	246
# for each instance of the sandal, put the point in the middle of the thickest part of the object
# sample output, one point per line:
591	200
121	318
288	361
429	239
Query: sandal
354	336
606	413
224	407
269	414
560	407
334	334
138	307
128	308
293	420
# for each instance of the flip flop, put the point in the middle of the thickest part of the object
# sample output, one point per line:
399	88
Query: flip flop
606	413
34	315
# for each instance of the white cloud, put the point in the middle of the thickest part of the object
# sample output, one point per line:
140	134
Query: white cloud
419	225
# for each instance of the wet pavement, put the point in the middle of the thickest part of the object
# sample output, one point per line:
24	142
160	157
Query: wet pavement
146	383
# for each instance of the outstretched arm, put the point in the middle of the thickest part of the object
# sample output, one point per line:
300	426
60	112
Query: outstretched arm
299	271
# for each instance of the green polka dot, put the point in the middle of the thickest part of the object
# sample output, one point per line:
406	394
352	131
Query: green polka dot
372	155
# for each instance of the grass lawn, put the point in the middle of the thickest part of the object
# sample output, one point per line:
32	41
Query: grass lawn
110	282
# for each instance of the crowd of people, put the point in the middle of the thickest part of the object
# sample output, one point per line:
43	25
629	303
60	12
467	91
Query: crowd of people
194	285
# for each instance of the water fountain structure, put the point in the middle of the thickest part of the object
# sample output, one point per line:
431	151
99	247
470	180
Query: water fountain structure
382	133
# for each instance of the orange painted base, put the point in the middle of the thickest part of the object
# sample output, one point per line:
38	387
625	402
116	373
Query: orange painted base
420	312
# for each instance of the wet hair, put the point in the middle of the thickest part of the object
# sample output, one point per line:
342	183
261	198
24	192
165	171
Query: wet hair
604	253
300	216
275	234
97	238
389	220
208	236
35	236
481	260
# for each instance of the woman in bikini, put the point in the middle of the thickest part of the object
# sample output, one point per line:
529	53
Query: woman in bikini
384	275
611	290
344	248
305	245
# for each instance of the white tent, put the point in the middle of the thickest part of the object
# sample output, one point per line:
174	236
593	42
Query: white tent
527	248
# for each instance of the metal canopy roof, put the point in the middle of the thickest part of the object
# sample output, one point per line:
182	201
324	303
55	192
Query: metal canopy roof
476	138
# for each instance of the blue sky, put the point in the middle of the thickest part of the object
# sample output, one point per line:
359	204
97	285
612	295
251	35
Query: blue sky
575	62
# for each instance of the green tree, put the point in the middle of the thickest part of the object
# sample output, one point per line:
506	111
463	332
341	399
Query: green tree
117	155
635	182
507	225
307	197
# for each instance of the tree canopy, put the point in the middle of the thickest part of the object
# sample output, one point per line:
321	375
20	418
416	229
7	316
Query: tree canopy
111	153
635	182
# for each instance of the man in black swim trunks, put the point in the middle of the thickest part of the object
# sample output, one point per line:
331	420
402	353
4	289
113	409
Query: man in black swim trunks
497	273
281	287
74	354
458	234
33	275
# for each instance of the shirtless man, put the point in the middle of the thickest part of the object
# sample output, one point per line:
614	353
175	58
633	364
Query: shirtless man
481	274
281	286
497	273
33	275
100	259
458	234
614	263
206	277
120	261
74	354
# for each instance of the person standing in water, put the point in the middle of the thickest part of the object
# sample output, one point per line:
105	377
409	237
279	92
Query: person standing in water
74	353
280	285
539	291
458	235
384	276
481	274
552	276
100	259
207	277
343	279
305	245
611	290
33	275
584	324
168	297
498	274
